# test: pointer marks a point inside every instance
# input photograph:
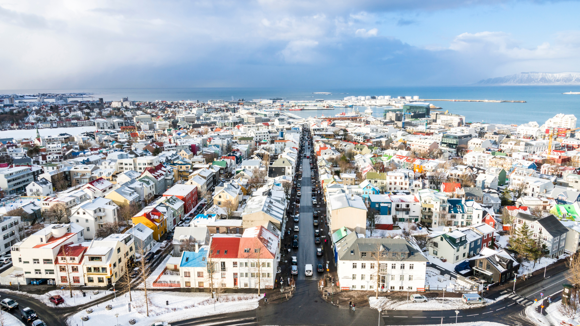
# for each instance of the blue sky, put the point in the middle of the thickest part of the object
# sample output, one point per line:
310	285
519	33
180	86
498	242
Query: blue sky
283	43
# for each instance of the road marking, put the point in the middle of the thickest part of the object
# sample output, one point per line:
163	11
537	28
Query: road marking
520	300
438	317
418	317
528	304
511	295
400	316
511	304
454	316
472	315
489	312
504	291
500	309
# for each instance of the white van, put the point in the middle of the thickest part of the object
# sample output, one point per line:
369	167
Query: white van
308	269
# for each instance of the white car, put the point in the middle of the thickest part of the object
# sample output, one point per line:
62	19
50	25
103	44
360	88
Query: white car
296	228
308	269
418	298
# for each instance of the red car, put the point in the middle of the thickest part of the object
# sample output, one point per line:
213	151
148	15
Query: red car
56	299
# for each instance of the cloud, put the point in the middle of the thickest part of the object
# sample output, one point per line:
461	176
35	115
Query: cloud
364	33
301	51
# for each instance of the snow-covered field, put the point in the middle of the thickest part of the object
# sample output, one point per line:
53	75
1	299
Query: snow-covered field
528	266
436	281
156	273
31	133
432	304
76	300
7	319
181	306
556	317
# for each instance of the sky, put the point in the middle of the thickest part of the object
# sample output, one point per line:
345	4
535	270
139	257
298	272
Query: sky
59	44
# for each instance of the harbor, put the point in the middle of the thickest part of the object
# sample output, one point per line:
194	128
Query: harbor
462	100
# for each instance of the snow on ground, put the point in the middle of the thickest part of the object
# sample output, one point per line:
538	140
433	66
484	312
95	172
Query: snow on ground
502	241
436	281
392	233
14	204
556	317
434	260
528	266
156	273
432	304
181	306
31	133
76	300
7	319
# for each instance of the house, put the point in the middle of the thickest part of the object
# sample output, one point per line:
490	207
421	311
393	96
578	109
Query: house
230	192
487	234
450	247
548	230
406	208
260	210
473	241
186	193
143	237
98	188
344	210
124	195
35	256
69	263
193	268
281	166
486	181
14	180
82	174
41	187
161	176
153	219
94	214
107	260
494	266
400	266
368	189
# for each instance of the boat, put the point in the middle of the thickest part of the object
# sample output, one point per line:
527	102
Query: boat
296	109
369	111
572	93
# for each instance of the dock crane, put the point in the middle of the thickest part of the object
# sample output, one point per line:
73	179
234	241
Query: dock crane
550	133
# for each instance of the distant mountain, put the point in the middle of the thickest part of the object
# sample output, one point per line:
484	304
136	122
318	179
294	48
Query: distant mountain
535	78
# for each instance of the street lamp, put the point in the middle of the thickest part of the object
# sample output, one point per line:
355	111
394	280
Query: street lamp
456	314
379	322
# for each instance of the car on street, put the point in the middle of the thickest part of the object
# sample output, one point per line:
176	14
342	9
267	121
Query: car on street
308	156
134	272
319	268
8	304
314	201
298	194
5	260
296	237
28	314
294	260
295	244
418	298
296	218
317	240
308	269
318	251
315	222
296	228
294	270
38	322
316	233
56	299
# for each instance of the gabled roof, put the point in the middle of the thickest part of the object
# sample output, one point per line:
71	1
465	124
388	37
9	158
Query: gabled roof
451	186
224	247
194	259
552	225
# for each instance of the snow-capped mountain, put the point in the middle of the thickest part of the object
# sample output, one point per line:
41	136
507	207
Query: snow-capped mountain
535	78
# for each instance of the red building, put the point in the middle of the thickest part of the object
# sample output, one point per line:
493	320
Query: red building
187	193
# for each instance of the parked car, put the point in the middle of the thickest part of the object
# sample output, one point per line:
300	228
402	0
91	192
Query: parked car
38	322
5	260
296	228
320	268
318	251
314	201
28	314
294	260
316	233
317	240
308	269
56	299
315	222
134	272
296	218
298	194
418	298
8	304
295	244
471	298
294	270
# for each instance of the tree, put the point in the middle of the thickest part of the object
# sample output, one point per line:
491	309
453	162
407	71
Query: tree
518	191
188	244
65	250
58	212
377	253
572	309
506	197
127	211
523	243
507	219
156	151
124	282
211	270
437	178
144	270
372	219
287	187
230	207
17	212
466	180
59	182
107	229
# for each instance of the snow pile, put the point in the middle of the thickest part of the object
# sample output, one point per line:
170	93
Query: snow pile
76	300
156	273
432	304
181	306
7	319
557	318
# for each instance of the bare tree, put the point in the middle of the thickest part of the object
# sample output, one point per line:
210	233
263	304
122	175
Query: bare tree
124	282
127	211
58	212
211	270
376	254
144	270
107	229
518	190
229	207
187	245
65	252
59	182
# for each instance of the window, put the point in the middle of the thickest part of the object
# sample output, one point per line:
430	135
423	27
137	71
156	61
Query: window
37	272
392	287
89	269
401	277
200	284
402	266
354	287
63	279
363	265
354	276
90	279
401	288
186	274
76	279
362	277
362	287
95	259
101	279
392	277
223	265
199	274
36	261
235	264
410	277
62	269
363	254
372	277
393	266
353	265
411	266
372	265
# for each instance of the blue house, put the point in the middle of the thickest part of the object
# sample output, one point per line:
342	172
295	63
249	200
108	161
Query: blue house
368	189
381	203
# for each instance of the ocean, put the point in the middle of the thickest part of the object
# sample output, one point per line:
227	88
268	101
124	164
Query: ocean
543	102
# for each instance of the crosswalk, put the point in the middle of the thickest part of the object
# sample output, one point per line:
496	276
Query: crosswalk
518	299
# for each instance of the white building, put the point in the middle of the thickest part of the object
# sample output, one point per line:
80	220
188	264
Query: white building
42	187
400	266
94	214
561	120
9	226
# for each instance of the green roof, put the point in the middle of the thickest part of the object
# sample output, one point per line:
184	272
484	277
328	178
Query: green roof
569	211
376	176
223	164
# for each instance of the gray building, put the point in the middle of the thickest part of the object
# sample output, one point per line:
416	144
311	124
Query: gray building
549	230
14	180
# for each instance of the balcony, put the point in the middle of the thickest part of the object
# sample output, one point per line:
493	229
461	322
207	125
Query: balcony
100	214
402	208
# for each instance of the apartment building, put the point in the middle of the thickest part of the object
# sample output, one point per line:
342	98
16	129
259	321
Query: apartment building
105	260
547	230
82	174
400	267
9	226
36	255
14	180
94	214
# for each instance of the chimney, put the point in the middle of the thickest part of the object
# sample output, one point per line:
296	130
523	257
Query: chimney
196	247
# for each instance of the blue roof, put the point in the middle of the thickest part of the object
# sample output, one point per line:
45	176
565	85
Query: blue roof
194	259
456	206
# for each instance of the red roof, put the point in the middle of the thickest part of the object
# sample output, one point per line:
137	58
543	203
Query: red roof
522	208
451	186
52	242
224	247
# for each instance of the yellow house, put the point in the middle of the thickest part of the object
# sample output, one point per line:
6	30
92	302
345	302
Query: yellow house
123	196
153	219
230	192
